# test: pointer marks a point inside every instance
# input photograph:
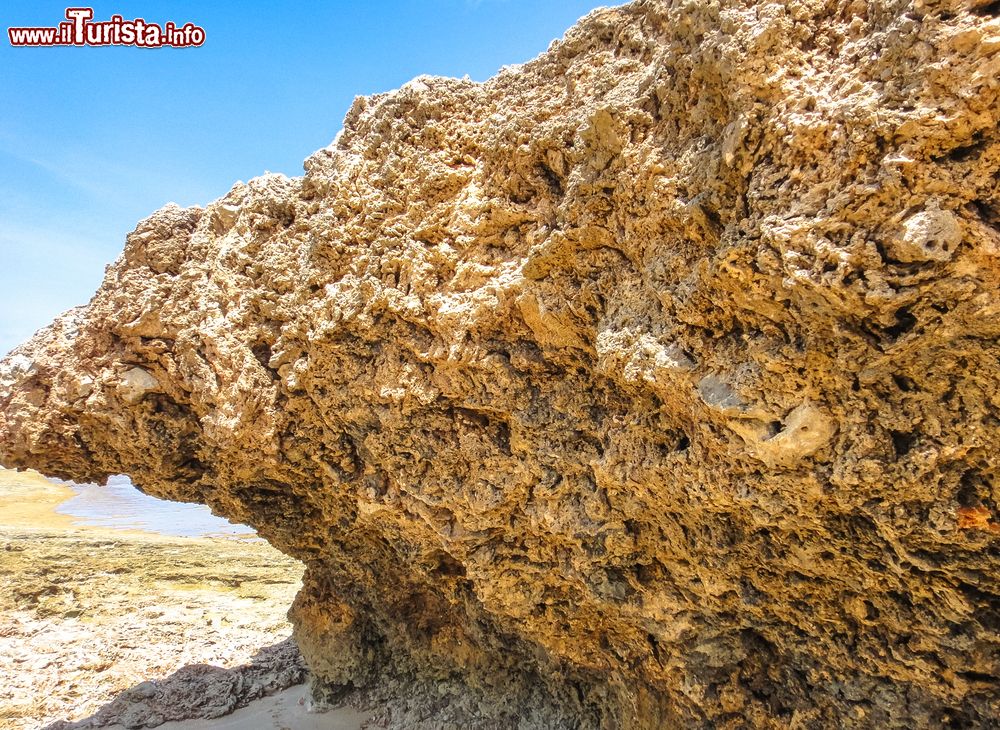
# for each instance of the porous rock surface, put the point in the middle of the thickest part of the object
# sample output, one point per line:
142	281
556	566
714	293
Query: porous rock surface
652	383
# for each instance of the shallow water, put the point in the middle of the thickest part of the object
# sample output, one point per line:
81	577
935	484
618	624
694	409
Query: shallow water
121	506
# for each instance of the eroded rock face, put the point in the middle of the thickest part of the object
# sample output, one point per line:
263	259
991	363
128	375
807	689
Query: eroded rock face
652	383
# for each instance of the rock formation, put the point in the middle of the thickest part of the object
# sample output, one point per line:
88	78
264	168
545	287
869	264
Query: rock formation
652	383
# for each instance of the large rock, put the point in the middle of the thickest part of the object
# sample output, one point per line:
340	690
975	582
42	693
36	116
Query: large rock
653	383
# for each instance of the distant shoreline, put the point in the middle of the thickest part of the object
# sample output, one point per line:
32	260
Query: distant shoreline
30	501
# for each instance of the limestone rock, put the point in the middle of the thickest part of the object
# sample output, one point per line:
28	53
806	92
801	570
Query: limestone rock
136	383
652	383
930	235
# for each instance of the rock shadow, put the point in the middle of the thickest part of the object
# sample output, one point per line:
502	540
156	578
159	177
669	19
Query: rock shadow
199	691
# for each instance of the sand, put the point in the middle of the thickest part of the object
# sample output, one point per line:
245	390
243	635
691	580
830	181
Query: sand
28	501
285	710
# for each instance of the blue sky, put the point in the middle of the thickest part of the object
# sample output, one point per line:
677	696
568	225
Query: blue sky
94	139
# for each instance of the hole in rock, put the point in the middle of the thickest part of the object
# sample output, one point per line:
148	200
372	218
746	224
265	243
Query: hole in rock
673	441
968	489
901	599
877	565
903	383
988	213
447	565
262	351
971	676
648	574
713	216
902	442
145	589
905	321
966	152
551	179
992	8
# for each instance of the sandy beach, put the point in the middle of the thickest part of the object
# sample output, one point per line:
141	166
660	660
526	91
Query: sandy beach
285	710
86	613
28	501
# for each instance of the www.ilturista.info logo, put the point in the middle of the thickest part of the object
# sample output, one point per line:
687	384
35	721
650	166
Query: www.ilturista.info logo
80	30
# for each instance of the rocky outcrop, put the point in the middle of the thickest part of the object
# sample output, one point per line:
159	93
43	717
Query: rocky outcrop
652	383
